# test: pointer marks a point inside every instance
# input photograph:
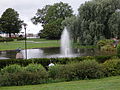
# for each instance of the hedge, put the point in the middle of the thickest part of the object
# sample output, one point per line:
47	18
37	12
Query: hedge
46	61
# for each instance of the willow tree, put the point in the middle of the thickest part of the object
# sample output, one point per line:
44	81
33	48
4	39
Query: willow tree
94	16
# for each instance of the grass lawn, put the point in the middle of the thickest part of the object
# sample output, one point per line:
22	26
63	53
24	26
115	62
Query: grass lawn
110	83
31	43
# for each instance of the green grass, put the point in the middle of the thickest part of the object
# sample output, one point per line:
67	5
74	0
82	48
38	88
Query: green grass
31	43
111	83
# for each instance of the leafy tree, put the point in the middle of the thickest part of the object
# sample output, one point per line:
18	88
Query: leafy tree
51	17
114	24
73	25
10	22
95	16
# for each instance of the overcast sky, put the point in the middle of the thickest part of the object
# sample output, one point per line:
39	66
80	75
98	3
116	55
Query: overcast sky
28	8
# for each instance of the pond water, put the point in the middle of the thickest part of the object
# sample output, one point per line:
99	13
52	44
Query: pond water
46	53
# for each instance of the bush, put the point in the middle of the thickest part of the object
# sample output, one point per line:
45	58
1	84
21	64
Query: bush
89	69
105	42
32	74
118	50
34	68
65	72
22	78
46	61
6	39
12	69
102	59
82	70
112	67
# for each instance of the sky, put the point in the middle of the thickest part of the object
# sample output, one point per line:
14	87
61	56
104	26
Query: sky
28	8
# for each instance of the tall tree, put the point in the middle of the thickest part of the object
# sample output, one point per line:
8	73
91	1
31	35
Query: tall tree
95	16
114	24
10	22
52	16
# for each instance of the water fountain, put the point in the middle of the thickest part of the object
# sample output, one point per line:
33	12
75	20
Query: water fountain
65	48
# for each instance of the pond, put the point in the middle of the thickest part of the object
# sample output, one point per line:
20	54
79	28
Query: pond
47	53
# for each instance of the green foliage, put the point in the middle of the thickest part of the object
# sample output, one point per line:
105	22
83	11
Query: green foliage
35	68
101	43
51	17
118	50
102	59
98	19
12	69
10	22
82	70
6	39
89	69
112	67
108	48
46	61
32	74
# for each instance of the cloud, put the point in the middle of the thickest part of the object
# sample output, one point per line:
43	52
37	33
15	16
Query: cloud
28	8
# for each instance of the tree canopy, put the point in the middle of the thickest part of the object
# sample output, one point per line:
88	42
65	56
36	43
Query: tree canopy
10	22
97	19
51	17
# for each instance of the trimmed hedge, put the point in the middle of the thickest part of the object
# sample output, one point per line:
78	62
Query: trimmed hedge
46	61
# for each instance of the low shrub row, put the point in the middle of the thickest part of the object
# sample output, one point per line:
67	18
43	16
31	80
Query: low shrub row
46	61
17	75
37	74
6	39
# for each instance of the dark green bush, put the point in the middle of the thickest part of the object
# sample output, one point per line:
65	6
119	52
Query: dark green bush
65	72
104	42
112	67
46	61
32	74
11	69
118	50
102	59
6	39
82	70
22	78
88	69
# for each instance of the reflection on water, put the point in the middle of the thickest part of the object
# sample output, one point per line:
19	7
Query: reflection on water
46	52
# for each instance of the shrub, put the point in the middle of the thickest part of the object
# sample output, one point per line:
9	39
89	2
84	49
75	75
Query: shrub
89	69
34	68
118	50
112	67
108	48
12	69
65	72
105	42
21	78
82	70
102	59
32	74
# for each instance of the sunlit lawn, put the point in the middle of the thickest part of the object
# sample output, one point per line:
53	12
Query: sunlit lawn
31	43
111	83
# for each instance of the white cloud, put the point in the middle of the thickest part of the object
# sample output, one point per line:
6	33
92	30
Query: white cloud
28	8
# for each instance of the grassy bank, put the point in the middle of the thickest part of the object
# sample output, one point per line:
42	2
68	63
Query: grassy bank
111	83
31	43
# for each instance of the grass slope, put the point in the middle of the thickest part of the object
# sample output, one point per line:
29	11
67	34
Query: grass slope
111	83
31	43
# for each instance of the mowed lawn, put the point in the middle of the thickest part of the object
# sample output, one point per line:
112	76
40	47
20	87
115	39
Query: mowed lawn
31	43
110	83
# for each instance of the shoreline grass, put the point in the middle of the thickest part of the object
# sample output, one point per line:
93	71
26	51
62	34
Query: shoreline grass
31	43
109	83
